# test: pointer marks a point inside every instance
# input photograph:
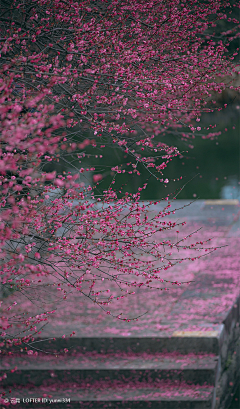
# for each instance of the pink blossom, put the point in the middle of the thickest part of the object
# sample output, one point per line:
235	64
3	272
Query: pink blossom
97	178
50	176
59	182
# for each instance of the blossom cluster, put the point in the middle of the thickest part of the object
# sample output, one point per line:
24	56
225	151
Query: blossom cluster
126	73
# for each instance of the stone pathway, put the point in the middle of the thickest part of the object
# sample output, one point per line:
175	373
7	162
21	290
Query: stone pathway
183	353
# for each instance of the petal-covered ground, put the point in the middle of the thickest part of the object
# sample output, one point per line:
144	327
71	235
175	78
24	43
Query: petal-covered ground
199	306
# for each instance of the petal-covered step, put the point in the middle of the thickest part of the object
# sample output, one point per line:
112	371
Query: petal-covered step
48	369
164	395
183	341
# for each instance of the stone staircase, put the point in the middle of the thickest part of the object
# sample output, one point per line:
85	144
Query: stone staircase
103	373
124	372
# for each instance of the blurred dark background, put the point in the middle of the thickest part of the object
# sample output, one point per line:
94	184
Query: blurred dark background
210	168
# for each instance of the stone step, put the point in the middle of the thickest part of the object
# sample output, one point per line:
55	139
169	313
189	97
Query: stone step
42	369
184	342
164	395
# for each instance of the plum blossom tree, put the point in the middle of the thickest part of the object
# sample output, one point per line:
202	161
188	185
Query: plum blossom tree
124	73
